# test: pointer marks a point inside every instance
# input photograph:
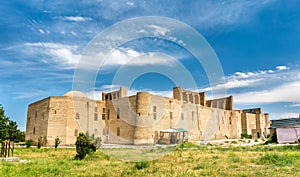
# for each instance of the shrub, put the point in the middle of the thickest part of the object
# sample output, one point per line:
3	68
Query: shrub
95	142
256	140
272	139
187	145
40	142
245	135
82	146
57	142
28	143
141	165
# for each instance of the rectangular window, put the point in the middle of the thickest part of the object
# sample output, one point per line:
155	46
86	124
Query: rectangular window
103	110
96	109
182	116
103	116
171	115
35	114
95	116
154	108
108	114
154	116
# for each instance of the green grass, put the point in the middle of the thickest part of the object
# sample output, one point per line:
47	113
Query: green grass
204	160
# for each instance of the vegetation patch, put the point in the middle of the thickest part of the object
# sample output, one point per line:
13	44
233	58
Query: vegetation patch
187	145
285	159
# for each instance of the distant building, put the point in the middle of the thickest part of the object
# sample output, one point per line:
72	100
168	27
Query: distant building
287	130
142	118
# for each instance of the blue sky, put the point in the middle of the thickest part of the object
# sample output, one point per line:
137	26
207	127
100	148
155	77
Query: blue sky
257	43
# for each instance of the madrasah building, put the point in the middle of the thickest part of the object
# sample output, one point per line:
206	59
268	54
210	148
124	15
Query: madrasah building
142	119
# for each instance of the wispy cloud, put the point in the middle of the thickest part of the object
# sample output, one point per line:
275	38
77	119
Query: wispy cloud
295	105
288	92
63	55
284	115
29	94
76	18
250	79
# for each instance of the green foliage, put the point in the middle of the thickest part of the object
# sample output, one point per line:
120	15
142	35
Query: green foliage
83	146
28	143
95	142
256	140
40	142
9	129
245	135
86	144
272	139
57	142
187	145
141	165
277	159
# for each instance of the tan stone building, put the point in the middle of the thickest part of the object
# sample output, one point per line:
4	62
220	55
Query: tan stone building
142	118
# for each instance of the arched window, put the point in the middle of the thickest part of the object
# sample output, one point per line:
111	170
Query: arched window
77	116
76	133
118	131
118	113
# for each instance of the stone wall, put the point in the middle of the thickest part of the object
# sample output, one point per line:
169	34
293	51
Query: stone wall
140	118
37	120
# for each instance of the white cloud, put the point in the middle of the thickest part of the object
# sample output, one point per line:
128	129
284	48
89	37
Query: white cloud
246	79
60	54
230	84
159	30
215	13
266	86
76	18
289	92
284	115
295	105
280	68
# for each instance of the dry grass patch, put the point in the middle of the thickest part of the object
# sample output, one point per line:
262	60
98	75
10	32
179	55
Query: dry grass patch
205	160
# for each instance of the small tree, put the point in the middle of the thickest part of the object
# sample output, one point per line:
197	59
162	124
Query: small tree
57	142
28	143
40	142
82	146
95	142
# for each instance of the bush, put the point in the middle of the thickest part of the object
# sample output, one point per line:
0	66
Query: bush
28	143
40	142
141	165
82	146
187	145
95	142
245	135
272	139
57	142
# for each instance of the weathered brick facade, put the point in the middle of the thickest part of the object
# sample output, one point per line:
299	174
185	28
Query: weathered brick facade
139	119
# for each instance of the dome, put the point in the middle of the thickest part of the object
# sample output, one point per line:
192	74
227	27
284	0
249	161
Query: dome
75	93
